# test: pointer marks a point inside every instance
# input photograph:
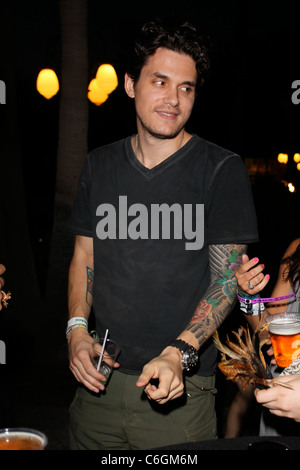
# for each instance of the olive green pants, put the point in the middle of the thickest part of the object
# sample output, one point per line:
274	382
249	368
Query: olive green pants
124	418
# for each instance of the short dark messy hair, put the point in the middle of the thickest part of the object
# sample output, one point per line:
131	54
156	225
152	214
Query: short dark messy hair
178	37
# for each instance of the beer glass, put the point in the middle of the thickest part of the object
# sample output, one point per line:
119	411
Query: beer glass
22	439
284	331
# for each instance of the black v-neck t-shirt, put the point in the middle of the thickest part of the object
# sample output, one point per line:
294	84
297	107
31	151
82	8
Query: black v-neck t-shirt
151	230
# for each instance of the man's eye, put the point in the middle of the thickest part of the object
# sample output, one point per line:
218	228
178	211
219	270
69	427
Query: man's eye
159	82
186	89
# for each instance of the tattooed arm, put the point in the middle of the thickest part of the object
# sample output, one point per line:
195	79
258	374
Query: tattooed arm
211	311
220	295
80	302
81	278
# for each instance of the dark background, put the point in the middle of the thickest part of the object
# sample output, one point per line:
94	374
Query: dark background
244	106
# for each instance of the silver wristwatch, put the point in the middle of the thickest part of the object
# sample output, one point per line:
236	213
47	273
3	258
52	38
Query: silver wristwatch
189	354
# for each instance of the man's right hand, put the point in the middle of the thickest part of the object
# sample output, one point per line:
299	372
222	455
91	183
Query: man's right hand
80	354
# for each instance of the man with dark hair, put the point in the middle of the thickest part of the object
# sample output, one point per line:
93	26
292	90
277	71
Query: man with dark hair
183	38
161	220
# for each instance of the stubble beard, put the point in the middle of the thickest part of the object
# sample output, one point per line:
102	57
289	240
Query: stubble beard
159	135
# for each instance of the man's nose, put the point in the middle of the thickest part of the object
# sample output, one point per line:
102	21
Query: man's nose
172	97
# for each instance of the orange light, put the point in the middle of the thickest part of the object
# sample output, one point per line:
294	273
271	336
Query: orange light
106	82
282	158
47	83
297	158
291	187
95	94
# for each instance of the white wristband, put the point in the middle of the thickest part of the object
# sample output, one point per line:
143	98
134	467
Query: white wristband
255	309
73	328
77	321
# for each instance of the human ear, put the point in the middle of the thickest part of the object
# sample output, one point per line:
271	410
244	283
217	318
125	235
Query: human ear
129	86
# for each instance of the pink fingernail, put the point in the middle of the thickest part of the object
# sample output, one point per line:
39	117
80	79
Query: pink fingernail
255	260
267	276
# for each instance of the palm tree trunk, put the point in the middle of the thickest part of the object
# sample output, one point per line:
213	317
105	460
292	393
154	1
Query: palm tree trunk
73	119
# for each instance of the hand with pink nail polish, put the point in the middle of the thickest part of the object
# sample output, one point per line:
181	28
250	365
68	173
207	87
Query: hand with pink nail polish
250	276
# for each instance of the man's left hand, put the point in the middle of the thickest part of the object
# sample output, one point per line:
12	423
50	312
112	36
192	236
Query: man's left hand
167	368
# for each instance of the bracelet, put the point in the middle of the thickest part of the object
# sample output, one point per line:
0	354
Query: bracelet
73	328
252	309
264	300
76	322
247	296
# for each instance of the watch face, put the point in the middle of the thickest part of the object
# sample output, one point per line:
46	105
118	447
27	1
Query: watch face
189	353
189	358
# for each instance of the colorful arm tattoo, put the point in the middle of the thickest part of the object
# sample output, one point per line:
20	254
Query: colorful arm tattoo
89	285
220	296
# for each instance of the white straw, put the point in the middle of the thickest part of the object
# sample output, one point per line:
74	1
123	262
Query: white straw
103	346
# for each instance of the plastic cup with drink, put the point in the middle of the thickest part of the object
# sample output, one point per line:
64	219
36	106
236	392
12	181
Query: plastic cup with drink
284	331
22	439
106	352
